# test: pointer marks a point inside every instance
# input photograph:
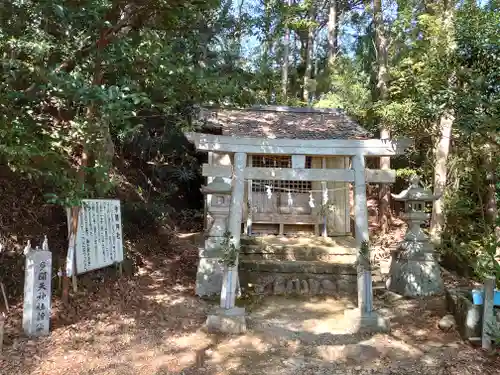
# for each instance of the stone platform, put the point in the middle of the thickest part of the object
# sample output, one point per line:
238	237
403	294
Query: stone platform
274	265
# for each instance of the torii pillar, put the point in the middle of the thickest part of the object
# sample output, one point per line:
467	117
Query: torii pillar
228	318
363	317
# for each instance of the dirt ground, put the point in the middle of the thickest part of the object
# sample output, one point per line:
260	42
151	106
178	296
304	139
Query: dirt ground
152	324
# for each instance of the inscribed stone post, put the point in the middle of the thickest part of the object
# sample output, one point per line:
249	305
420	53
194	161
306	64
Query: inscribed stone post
37	292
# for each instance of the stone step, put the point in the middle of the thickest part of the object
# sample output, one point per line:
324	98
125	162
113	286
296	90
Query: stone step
266	283
278	277
297	249
309	256
344	241
287	266
331	250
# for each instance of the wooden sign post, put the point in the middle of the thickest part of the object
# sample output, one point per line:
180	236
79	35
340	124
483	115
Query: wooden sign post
95	236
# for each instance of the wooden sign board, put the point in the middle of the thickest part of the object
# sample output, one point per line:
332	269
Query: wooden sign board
99	240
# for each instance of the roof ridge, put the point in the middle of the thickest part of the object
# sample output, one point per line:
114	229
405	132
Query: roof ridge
279	108
283	122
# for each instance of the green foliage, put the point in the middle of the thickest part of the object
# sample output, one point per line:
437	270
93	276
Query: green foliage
468	236
406	173
349	89
478	43
325	208
364	255
420	74
76	74
485	257
228	250
494	332
477	105
98	79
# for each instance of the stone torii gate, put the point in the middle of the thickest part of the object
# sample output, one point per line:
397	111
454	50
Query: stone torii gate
358	174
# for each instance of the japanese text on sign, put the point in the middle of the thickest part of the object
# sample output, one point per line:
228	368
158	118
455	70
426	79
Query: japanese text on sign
37	292
99	235
41	305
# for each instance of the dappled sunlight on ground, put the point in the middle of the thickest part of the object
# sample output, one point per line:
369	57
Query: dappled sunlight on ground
313	316
152	324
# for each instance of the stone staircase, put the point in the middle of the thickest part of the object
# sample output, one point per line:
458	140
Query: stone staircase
302	265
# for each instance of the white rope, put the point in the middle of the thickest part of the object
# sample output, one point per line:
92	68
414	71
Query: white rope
311	200
324	193
269	192
271	188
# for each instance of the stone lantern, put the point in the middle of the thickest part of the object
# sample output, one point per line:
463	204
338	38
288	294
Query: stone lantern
414	269
219	207
210	273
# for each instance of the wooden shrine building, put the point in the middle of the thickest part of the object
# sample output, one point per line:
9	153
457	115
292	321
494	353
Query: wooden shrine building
292	171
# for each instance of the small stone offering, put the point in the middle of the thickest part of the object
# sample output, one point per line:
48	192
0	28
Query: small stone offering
447	322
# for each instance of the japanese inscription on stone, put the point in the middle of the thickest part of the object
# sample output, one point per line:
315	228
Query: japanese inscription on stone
37	292
99	235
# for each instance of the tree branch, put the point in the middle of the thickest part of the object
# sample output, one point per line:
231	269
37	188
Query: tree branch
108	35
491	139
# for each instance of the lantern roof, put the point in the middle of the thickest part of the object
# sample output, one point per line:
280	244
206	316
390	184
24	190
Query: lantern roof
217	186
415	192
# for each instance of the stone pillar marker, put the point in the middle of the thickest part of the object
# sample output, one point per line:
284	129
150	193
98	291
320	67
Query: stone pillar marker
414	269
209	275
363	318
229	318
37	290
488	312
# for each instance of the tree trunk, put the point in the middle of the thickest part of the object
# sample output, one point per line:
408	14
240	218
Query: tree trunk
491	202
491	208
384	193
309	57
286	54
101	155
381	47
382	89
441	152
267	51
284	75
105	149
333	31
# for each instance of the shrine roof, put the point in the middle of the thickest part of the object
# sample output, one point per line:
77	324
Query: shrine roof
281	123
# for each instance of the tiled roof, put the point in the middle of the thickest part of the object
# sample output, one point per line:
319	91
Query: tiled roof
283	122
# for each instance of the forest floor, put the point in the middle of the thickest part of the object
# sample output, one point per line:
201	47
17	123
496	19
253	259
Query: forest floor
152	323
